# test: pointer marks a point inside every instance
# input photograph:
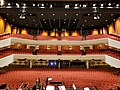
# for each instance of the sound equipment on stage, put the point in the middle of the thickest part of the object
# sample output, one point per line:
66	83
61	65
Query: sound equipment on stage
62	87
50	88
58	83
3	86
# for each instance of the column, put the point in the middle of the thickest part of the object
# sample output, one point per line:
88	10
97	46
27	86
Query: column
30	63
59	63
87	64
59	50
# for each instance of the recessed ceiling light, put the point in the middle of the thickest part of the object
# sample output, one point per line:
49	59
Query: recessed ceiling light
38	5
94	5
53	19
65	14
117	5
42	4
33	4
106	20
30	14
24	4
35	24
83	25
88	14
17	5
5	19
76	5
85	20
102	4
67	7
109	4
53	14
84	5
92	24
51	6
64	22
9	4
33	20
77	14
65	19
112	14
7	13
42	14
75	19
74	22
13	20
45	22
43	19
2	2
113	19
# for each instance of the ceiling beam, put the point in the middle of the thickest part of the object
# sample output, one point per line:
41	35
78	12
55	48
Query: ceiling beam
59	10
60	0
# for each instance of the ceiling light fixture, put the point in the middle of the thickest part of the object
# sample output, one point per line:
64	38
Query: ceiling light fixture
76	6
101	6
51	5
67	6
33	5
117	5
2	2
18	6
22	16
84	5
9	4
42	5
77	14
23	13
65	14
96	16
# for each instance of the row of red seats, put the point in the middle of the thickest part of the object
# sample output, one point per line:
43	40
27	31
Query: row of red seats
90	37
103	79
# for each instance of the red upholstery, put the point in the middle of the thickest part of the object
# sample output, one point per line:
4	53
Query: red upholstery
101	78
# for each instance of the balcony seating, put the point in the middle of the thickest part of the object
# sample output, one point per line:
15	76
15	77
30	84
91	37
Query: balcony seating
78	38
46	38
90	37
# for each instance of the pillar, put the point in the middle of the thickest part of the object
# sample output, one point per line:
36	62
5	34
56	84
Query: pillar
87	64
59	63
30	63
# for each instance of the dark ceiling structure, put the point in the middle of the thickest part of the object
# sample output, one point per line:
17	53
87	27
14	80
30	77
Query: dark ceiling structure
60	14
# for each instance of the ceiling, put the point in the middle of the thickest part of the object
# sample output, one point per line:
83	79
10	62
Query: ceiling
60	14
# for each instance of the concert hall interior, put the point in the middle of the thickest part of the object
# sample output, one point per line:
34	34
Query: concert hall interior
59	44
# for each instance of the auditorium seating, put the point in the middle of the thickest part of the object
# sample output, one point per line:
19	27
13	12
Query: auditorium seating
78	38
99	36
102	79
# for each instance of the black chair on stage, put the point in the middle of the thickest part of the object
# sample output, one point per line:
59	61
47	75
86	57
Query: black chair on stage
3	86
